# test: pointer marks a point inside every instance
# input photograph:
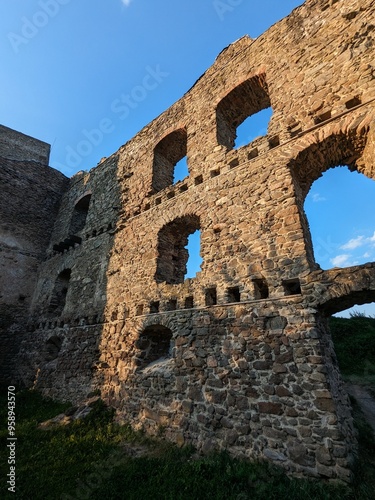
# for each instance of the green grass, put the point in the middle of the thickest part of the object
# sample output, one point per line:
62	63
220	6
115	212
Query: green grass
354	340
87	459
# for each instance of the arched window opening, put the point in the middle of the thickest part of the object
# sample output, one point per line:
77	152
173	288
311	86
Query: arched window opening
340	208
168	154
60	290
324	159
154	344
173	252
252	127
78	220
244	101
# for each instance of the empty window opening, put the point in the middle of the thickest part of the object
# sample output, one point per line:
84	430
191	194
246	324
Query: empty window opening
180	170
198	180
78	220
253	127
178	255
52	348
253	154
210	296
154	307
171	305
59	293
233	294
292	287
215	173
183	188
339	209
167	154
154	344
194	263
352	103
246	100
170	195
139	310
274	141
322	117
260	289
189	302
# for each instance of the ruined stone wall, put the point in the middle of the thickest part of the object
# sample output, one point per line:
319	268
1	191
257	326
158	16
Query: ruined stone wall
238	357
29	202
17	146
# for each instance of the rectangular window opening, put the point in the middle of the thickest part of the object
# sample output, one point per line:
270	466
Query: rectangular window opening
234	294
189	302
171	305
253	154
352	103
292	287
154	307
322	117
139	310
211	296
274	141
260	289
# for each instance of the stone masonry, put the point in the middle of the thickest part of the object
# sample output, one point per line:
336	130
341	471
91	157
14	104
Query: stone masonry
239	357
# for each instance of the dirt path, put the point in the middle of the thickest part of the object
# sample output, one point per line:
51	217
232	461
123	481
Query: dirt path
365	400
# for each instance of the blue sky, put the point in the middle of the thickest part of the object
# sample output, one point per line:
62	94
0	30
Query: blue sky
69	68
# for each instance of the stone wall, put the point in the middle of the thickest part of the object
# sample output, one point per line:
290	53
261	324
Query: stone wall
29	202
17	146
240	356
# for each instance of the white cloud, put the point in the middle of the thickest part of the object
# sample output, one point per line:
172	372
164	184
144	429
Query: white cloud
340	260
354	243
366	255
316	197
359	241
126	2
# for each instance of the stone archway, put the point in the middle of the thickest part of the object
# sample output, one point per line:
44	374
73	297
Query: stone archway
334	145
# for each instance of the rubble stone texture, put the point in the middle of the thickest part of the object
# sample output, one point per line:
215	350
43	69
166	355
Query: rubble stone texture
239	357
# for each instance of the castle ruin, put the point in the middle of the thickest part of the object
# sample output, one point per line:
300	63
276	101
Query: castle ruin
93	294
